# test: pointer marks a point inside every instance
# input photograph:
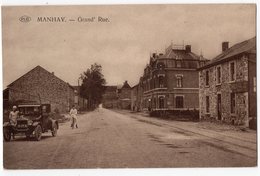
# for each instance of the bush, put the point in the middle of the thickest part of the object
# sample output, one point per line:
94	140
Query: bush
192	114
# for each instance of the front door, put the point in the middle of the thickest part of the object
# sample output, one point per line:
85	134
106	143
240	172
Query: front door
219	106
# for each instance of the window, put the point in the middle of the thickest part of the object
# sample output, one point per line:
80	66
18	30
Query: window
154	103
232	71
207	104
218	75
154	82
207	78
179	80
161	102
170	63
233	102
178	64
161	65
179	101
254	80
161	81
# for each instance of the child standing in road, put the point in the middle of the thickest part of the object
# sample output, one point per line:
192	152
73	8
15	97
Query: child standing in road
73	114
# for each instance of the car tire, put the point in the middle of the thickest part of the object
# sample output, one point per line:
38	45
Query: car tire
7	134
28	136
54	130
38	133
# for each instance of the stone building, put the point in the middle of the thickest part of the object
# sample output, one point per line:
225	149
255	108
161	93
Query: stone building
40	86
110	97
228	84
124	96
171	81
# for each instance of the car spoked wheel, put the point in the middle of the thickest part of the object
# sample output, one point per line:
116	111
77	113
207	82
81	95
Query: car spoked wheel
54	130
38	133
7	134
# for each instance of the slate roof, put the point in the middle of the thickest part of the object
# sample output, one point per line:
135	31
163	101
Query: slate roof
43	70
247	46
173	52
183	54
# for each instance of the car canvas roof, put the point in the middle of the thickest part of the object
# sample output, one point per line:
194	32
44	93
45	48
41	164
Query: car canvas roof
29	105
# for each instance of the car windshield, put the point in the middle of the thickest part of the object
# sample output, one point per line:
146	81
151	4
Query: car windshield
29	111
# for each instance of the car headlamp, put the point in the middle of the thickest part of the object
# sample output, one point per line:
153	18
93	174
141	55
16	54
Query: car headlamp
30	122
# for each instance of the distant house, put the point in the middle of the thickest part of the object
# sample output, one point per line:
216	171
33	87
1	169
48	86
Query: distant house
40	86
110	97
124	96
134	97
228	84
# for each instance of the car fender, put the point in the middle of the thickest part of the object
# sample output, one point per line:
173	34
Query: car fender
55	122
35	124
6	124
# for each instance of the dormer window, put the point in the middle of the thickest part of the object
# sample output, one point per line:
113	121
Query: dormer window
178	64
160	65
178	57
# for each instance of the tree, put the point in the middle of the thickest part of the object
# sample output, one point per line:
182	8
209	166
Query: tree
92	87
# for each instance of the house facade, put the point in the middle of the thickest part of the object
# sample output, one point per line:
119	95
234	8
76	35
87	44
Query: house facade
110	97
40	86
134	94
171	81
228	84
124	96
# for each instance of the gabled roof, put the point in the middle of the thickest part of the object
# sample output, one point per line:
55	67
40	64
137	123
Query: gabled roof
41	69
126	85
135	86
182	54
247	46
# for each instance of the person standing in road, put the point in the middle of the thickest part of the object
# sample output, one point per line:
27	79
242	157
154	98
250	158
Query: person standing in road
73	114
13	117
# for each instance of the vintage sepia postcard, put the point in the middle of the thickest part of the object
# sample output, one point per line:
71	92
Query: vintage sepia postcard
129	86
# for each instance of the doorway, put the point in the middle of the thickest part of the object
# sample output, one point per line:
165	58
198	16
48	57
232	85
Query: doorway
219	107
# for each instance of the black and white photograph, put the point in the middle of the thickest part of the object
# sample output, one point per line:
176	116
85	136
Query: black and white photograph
140	86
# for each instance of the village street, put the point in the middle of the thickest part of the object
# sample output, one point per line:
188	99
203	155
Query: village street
120	139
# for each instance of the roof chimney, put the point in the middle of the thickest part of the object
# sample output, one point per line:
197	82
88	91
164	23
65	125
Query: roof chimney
188	48
224	46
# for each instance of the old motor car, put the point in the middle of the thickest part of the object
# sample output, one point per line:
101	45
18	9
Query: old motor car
33	120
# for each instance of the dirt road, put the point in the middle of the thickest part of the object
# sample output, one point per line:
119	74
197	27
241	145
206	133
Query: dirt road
108	139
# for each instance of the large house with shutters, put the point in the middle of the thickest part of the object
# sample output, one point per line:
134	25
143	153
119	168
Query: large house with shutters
170	81
228	84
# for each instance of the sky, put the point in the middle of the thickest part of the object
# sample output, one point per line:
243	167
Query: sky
123	44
